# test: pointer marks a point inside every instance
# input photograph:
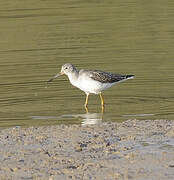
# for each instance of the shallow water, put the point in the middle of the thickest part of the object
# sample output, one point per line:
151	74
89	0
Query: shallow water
129	37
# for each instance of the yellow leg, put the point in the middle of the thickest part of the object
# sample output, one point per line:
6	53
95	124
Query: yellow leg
86	102
102	100
86	108
103	108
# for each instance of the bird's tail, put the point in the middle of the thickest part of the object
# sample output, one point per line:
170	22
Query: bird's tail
130	76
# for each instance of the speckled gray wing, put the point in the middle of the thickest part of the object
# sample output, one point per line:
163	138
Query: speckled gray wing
105	77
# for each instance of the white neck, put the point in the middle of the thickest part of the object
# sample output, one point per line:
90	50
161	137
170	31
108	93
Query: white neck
73	77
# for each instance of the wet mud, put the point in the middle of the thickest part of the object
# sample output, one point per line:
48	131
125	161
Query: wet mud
130	150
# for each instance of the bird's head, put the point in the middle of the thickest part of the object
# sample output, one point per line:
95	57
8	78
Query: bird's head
66	69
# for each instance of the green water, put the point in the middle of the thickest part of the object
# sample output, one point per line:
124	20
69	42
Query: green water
129	37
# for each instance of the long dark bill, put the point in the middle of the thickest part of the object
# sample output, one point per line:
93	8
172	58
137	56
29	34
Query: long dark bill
57	75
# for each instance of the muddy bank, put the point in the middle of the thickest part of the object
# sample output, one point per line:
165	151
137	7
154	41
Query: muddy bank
131	150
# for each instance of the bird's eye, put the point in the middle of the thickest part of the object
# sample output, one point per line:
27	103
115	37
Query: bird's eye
66	68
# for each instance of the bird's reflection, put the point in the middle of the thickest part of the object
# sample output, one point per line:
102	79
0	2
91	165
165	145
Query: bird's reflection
102	109
87	118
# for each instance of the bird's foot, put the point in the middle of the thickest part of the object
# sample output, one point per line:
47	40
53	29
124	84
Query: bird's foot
86	108
102	108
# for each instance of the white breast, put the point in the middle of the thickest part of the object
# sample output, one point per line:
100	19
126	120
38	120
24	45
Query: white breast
89	85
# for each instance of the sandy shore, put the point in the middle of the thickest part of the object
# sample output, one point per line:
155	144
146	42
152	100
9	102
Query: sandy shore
130	150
